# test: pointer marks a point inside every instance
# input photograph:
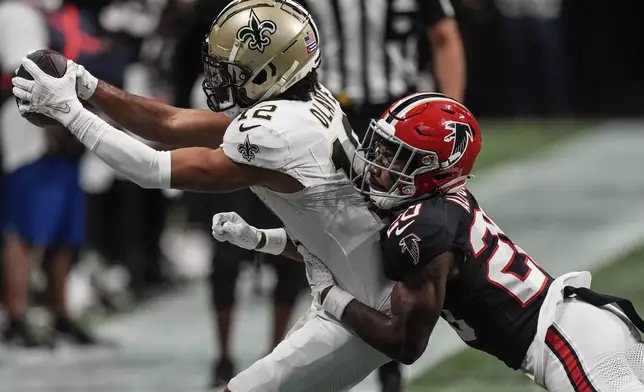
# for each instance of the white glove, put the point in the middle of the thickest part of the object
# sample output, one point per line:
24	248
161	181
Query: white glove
230	227
320	278
48	95
318	275
85	82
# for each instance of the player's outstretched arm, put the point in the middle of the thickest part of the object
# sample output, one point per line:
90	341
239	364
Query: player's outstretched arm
416	304
194	169
156	121
58	98
197	168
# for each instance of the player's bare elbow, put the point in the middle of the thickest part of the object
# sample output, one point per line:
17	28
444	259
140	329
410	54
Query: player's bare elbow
402	350
408	360
411	353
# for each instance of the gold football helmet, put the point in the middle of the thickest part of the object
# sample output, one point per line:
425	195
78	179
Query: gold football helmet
257	49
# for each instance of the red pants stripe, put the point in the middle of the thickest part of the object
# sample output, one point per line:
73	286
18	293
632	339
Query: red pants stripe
569	359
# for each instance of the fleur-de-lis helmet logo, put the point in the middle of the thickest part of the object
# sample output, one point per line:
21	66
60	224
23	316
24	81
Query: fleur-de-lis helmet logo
257	33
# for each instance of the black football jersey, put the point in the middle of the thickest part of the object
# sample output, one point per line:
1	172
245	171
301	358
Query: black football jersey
494	301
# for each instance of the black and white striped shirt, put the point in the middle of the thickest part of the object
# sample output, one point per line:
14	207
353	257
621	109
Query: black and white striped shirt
370	47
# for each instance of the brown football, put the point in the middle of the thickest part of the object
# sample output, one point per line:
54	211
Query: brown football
52	63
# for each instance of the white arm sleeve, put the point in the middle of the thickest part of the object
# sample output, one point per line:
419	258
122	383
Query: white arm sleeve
137	161
22	30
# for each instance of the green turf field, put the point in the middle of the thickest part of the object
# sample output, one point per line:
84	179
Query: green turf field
471	370
506	140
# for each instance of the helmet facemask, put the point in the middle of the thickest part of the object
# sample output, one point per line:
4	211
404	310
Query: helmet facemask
381	151
224	83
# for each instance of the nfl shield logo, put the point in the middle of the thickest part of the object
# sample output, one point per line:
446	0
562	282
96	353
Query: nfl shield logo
310	42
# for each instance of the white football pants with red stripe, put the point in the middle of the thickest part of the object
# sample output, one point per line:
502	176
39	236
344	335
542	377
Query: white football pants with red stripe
588	349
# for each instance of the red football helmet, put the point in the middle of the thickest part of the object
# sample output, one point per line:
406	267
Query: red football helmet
426	142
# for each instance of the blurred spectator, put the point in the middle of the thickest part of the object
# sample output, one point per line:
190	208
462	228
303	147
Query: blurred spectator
531	40
370	52
188	74
476	27
44	206
126	221
370	58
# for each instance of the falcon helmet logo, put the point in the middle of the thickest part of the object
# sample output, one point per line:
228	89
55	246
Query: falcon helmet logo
248	150
461	135
410	244
257	33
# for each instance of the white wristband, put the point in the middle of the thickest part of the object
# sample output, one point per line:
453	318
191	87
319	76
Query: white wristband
336	301
85	83
275	241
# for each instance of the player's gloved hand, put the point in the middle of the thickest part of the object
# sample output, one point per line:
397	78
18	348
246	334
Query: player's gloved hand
230	227
48	95
318	274
320	279
85	82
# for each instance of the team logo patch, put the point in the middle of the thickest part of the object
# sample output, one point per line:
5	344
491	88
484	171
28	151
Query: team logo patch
257	33
461	135
310	42
409	244
248	150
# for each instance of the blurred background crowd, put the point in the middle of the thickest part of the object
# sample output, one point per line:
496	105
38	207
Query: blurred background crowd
80	241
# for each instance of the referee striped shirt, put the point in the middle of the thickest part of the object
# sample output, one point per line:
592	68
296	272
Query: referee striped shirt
370	47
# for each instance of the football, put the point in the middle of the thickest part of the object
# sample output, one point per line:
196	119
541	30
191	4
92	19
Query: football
52	63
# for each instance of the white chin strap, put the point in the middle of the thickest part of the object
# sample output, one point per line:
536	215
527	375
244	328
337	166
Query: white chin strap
384	201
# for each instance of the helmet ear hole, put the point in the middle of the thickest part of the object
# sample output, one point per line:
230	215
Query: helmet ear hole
260	78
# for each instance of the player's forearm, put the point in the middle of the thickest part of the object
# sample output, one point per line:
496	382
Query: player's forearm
137	161
384	333
145	117
449	62
156	121
380	331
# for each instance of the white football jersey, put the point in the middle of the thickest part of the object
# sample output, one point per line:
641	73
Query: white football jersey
313	143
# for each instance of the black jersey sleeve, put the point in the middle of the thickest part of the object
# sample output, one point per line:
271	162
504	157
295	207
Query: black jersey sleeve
433	11
421	233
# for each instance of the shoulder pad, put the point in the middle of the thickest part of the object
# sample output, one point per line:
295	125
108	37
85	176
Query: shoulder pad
253	143
424	231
